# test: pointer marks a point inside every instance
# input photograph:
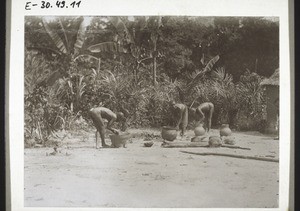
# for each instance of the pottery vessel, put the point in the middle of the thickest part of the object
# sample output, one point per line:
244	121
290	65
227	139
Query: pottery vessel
119	140
214	141
199	130
225	130
148	144
169	133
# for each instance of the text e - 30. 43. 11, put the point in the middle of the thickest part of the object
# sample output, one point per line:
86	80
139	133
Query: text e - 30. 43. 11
47	4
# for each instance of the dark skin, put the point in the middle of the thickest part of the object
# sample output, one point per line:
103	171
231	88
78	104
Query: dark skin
98	115
180	110
204	112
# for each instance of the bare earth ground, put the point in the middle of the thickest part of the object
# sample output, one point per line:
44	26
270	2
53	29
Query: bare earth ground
136	176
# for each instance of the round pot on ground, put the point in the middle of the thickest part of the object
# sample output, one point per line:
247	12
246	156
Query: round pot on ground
225	130
169	133
199	130
214	141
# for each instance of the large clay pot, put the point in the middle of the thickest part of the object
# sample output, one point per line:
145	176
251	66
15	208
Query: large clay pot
169	133
225	130
199	130
119	140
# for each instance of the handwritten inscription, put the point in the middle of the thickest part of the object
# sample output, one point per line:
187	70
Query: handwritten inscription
48	4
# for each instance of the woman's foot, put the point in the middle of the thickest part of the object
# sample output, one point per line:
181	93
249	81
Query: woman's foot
105	146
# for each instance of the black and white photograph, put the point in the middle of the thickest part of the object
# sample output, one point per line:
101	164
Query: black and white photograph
151	111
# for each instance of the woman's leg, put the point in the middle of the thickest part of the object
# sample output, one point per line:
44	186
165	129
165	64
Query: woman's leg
99	124
184	121
199	116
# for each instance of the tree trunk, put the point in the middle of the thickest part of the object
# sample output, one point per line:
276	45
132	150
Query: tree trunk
154	59
256	61
154	71
99	64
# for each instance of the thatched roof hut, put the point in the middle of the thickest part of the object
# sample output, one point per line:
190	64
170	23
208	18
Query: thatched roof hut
273	80
271	85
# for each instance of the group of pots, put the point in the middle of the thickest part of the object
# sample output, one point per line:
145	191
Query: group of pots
170	134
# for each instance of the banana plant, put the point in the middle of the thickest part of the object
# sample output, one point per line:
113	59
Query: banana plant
65	42
68	43
198	75
130	42
196	79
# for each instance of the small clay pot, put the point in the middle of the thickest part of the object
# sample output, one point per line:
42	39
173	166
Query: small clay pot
214	141
225	130
168	133
199	130
148	144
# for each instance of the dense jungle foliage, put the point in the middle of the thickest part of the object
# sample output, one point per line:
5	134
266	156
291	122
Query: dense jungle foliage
141	63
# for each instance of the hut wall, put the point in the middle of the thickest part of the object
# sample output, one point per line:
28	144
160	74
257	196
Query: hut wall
272	93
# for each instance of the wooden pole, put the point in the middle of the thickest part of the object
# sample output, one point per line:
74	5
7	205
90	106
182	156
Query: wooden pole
234	156
198	144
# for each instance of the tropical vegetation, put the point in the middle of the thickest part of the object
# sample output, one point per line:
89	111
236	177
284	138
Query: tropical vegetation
140	63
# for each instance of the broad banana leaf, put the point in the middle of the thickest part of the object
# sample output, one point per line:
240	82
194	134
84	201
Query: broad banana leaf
80	37
201	74
105	47
64	33
211	63
55	38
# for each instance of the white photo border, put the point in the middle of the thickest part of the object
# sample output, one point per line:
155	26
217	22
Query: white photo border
277	8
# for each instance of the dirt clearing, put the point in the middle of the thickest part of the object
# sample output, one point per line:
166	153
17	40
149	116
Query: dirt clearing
136	176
